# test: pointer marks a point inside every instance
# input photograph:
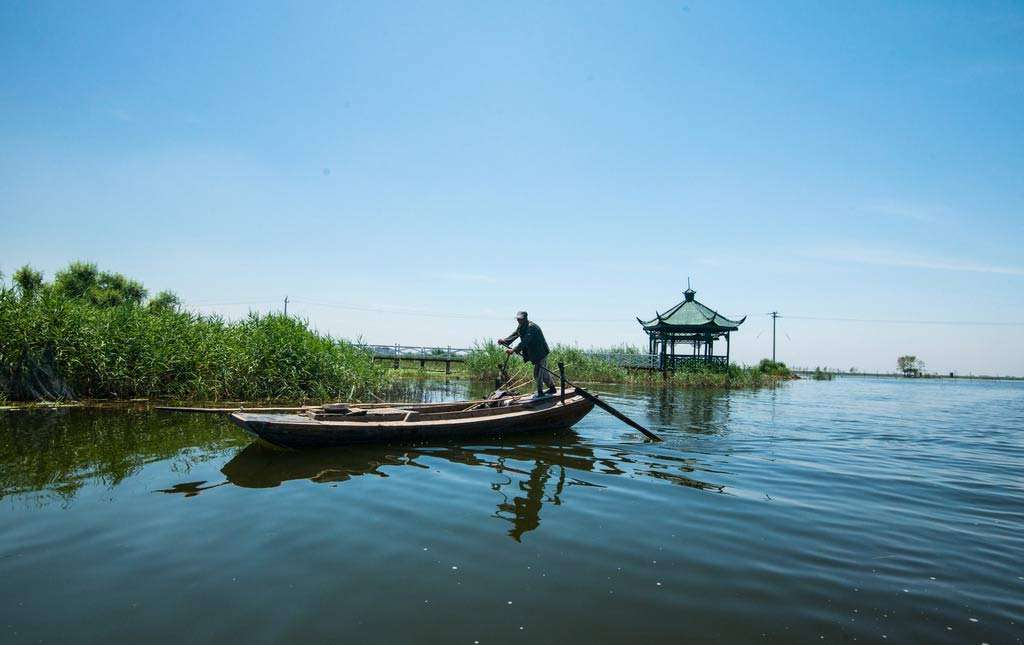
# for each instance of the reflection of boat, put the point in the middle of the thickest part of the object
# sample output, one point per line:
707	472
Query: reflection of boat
263	466
342	425
260	465
534	471
526	470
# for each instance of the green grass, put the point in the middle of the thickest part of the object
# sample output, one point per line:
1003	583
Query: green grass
485	359
111	347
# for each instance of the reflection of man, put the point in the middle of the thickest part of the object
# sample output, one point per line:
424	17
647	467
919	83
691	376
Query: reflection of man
534	349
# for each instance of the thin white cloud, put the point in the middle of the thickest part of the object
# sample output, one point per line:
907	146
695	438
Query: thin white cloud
459	276
912	260
905	210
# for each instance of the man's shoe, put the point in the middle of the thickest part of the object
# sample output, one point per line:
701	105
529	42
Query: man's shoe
551	390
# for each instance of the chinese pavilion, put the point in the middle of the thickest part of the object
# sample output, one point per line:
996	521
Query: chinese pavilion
689	323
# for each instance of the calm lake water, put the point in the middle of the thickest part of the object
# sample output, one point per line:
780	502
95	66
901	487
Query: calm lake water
856	509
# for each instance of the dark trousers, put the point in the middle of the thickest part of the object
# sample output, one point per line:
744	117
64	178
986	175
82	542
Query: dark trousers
541	375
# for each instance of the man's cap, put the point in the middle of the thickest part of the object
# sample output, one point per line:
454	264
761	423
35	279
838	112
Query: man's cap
520	315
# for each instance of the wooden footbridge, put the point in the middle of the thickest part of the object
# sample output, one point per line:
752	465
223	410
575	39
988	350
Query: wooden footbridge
398	353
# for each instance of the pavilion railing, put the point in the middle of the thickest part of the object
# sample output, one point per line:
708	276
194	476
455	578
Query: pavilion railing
676	362
654	361
638	361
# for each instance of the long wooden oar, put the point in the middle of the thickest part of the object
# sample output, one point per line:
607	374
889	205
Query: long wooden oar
604	406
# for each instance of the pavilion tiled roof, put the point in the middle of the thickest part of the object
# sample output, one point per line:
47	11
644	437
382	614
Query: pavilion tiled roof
691	316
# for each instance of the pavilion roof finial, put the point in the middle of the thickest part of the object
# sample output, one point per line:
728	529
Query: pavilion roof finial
689	293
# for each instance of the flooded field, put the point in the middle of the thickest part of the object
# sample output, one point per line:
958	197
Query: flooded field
867	509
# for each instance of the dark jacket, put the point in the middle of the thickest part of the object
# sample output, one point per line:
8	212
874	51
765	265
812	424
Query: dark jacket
531	345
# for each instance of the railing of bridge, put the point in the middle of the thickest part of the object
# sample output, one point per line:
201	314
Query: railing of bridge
414	352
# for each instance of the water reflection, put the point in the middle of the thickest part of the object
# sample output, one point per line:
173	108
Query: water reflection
698	410
523	491
189	489
530	474
50	456
54	453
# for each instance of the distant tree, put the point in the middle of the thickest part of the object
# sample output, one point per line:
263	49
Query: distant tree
28	281
114	289
910	365
82	280
853	370
164	301
76	280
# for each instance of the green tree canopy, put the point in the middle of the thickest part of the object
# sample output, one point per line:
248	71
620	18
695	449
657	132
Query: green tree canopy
909	364
165	301
28	281
83	281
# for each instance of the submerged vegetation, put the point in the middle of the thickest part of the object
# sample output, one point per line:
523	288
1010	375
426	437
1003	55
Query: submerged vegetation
94	334
486	359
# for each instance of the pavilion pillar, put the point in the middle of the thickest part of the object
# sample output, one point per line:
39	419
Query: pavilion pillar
663	364
727	349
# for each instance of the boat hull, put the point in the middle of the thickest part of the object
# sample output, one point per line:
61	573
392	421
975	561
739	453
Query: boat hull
298	431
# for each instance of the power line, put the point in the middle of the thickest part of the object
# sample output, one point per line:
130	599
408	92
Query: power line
894	321
225	304
440	314
463	316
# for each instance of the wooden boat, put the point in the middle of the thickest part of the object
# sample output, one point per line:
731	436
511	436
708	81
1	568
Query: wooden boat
342	424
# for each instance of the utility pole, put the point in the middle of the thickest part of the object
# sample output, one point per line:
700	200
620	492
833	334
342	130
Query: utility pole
286	306
774	315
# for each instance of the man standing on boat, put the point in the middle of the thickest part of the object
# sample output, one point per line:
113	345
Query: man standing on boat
534	349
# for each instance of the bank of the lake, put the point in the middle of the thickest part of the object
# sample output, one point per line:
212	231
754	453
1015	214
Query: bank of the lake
92	334
871	509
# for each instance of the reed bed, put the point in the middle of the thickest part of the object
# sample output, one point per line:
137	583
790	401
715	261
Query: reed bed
53	345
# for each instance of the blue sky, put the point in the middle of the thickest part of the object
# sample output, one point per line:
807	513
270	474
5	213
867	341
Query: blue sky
579	160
